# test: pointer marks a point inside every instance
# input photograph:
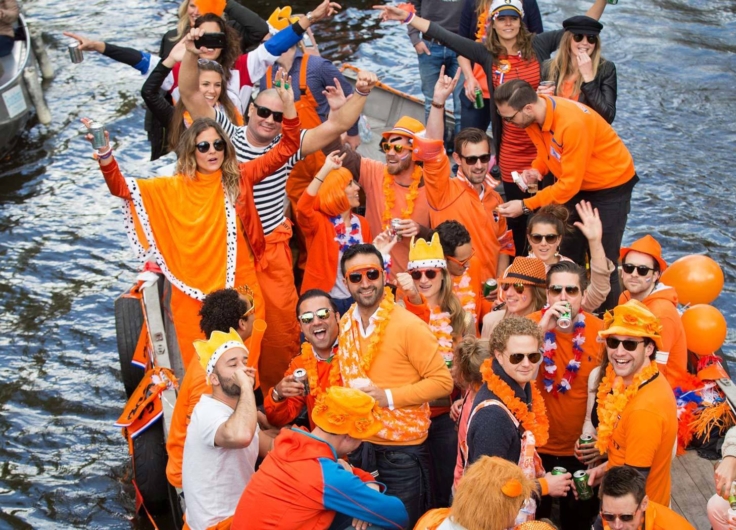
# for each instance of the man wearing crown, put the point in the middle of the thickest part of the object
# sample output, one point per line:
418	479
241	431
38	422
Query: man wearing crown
222	442
393	356
636	412
571	353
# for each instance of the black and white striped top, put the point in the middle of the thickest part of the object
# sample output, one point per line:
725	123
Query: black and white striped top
269	194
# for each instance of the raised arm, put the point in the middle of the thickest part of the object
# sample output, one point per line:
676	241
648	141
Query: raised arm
192	98
140	60
600	266
109	166
249	25
596	10
240	428
151	90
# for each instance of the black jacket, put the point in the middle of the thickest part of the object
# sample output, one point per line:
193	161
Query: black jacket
600	94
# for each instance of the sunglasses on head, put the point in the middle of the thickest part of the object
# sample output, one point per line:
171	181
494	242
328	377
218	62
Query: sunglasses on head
572	290
398	148
249	312
547	238
641	270
628	344
472	160
308	317
592	39
209	62
518	287
265	112
517	358
431	274
356	276
204	147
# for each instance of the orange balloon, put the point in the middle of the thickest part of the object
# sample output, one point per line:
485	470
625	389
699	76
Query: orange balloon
696	278
705	329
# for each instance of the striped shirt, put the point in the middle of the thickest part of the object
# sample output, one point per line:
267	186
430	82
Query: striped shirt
270	193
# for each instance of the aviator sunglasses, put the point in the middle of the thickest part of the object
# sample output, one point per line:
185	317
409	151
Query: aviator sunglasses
628	344
641	270
517	358
307	318
265	112
548	239
398	148
518	287
571	290
431	274
592	39
357	275
204	147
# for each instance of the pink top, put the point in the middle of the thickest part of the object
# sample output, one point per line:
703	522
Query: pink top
462	434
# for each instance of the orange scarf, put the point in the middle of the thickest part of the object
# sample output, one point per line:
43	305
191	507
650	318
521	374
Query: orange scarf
309	358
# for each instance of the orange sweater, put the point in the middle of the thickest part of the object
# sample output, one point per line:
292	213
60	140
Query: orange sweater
580	148
454	199
321	269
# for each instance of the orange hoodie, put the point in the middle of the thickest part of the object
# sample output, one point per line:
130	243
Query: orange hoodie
663	303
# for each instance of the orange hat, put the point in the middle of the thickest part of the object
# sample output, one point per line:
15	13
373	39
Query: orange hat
529	271
646	245
632	319
216	7
406	126
343	410
332	198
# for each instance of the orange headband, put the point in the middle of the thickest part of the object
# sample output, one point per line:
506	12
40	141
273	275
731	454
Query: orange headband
332	198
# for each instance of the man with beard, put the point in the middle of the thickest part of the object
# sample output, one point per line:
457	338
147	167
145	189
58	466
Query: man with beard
470	198
318	319
391	355
221	447
587	158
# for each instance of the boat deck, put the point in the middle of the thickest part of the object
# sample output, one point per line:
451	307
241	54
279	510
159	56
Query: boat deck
692	486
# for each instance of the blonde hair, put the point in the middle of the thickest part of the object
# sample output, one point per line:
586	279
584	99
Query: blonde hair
187	160
451	303
564	65
182	27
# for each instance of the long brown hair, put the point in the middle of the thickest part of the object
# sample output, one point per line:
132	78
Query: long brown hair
177	126
231	51
564	64
187	160
493	44
450	303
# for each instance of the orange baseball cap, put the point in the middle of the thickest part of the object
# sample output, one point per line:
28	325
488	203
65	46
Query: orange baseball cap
646	245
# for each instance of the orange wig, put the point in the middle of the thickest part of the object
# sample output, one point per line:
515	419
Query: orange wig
210	6
332	198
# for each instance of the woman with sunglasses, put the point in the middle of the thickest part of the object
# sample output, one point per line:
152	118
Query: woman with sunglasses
545	231
506	50
200	225
579	72
523	292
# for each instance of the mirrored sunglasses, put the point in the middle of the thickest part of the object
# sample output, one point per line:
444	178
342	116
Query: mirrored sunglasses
571	290
322	313
518	287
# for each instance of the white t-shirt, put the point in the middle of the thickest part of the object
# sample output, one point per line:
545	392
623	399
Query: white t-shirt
213	478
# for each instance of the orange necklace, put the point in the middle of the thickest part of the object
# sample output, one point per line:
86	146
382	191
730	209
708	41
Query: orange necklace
534	420
613	397
309	358
389	196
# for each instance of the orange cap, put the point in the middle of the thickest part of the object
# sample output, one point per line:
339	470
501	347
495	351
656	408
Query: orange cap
646	245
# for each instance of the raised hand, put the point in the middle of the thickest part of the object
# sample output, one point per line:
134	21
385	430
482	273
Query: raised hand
392	13
176	55
335	95
325	10
189	39
585	66
333	161
366	81
445	85
85	44
385	241
590	222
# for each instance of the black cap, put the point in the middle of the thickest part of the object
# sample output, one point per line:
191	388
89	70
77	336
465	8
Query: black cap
582	25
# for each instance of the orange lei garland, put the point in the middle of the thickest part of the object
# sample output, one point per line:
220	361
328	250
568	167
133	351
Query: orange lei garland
439	323
310	365
390	197
612	404
534	420
463	289
381	321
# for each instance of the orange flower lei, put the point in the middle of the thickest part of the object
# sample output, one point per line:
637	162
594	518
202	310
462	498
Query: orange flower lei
534	420
439	323
309	358
611	404
390	197
381	321
482	28
464	291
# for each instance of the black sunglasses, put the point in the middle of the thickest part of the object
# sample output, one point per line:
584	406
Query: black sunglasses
641	270
547	238
357	276
518	287
592	39
204	147
508	119
572	290
517	358
308	317
472	160
431	274
265	112
628	344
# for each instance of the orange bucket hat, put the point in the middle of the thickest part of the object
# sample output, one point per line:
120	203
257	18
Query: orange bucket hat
646	245
332	198
529	271
342	410
406	126
632	319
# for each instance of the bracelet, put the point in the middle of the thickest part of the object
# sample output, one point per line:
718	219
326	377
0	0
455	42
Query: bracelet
106	155
408	19
364	94
315	178
275	395
437	105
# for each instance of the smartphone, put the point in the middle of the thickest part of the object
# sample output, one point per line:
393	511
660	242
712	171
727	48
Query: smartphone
211	40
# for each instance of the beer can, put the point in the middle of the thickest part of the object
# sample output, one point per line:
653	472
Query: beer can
478	103
75	54
559	470
565	319
613	2
97	130
580	478
586	439
300	374
395	226
489	286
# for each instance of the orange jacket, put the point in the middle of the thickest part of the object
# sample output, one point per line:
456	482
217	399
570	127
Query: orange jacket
580	148
663	303
321	269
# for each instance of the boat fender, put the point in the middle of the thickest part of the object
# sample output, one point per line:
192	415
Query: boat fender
36	92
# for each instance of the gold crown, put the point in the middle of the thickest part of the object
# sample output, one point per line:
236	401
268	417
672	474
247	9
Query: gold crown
423	255
281	18
209	351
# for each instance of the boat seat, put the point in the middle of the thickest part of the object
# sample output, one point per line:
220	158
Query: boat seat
10	61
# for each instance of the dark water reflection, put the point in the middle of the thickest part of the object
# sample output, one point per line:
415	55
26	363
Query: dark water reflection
64	255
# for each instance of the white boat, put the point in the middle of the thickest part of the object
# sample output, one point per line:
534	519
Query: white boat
15	103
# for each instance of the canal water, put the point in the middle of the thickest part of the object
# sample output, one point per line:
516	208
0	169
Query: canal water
64	255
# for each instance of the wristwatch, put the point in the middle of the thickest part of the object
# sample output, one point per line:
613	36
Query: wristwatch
524	209
275	395
309	16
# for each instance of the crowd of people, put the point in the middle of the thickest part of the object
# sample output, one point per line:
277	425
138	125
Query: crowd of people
435	355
